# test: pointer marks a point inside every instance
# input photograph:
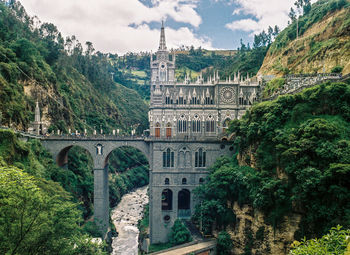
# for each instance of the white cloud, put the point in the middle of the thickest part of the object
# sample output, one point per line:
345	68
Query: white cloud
244	25
120	25
266	12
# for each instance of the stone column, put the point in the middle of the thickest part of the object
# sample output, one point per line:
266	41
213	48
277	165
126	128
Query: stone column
101	199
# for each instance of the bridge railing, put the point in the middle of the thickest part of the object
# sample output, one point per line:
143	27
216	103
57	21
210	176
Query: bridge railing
128	138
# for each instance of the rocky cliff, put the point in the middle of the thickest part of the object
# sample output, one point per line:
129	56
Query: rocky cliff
323	42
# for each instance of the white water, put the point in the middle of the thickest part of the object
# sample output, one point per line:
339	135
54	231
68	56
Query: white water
125	217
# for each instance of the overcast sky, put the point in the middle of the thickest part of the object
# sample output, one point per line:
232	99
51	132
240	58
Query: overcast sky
120	26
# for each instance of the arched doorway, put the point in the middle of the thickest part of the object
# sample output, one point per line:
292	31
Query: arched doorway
157	130
167	200
168	130
184	204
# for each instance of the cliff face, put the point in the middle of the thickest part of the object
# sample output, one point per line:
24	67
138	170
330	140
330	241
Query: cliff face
319	48
252	233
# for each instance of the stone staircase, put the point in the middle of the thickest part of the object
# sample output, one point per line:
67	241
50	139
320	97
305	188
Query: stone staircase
196	234
297	82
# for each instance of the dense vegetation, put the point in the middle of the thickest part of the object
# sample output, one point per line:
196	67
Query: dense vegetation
335	242
293	158
224	243
37	215
74	86
73	186
179	233
273	86
76	90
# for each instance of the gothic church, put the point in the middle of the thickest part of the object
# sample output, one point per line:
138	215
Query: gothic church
187	121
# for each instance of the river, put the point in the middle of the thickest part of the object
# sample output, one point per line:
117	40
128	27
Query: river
125	217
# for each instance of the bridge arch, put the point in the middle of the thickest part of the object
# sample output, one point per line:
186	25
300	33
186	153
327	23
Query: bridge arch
61	154
140	146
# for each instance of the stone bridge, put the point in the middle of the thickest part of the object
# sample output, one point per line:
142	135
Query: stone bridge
100	149
176	181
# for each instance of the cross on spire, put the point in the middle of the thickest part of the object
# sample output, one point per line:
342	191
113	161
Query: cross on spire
162	45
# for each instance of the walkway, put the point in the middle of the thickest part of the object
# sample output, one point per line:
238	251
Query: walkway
191	249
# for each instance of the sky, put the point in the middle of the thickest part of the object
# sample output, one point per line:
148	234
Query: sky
121	26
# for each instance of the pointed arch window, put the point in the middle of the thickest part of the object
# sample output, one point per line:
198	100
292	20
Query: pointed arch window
181	100
168	158
194	100
184	181
182	125
168	130
210	125
166	181
207	100
196	124
200	158
157	130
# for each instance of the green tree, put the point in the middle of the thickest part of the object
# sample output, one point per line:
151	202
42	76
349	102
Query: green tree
179	234
224	243
335	242
36	216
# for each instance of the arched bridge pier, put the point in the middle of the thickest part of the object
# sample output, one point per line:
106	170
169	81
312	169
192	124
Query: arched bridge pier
100	150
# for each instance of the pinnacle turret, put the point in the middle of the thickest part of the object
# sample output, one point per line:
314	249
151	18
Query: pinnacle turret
162	44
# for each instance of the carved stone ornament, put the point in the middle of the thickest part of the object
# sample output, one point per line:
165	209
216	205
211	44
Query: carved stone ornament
228	95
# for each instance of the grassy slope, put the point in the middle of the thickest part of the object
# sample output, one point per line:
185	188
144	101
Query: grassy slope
71	89
324	40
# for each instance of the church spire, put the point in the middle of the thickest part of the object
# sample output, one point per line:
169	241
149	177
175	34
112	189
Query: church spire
162	45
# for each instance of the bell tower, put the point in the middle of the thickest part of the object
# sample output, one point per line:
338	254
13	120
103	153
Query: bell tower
162	64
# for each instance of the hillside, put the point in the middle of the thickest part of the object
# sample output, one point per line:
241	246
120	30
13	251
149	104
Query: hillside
74	87
290	176
323	43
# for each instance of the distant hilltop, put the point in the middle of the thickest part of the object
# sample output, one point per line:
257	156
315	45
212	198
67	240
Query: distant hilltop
322	46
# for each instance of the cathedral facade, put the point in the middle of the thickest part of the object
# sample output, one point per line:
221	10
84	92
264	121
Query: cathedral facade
194	109
187	122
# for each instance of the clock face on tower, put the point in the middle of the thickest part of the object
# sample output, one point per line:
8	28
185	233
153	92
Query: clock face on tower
228	95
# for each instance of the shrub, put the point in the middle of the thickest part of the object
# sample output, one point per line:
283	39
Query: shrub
179	233
335	242
337	69
224	243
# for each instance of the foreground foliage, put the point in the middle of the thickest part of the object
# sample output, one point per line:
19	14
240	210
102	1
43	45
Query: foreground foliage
224	244
179	233
37	217
72	186
335	242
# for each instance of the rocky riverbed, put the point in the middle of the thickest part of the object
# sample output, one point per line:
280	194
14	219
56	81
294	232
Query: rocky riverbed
125	217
